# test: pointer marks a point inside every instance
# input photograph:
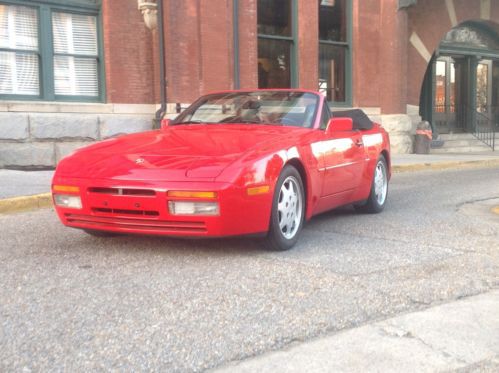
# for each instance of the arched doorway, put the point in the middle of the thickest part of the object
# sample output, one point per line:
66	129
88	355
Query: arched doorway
460	92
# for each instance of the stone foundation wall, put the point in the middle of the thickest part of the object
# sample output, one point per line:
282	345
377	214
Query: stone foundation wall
401	128
41	137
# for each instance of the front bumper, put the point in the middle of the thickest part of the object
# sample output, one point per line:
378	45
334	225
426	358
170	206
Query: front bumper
142	208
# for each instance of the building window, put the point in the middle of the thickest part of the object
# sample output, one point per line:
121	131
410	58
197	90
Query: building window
75	54
334	49
275	44
19	54
49	52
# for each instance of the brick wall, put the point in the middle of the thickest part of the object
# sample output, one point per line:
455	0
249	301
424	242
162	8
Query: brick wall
387	70
128	54
199	48
308	44
248	47
367	80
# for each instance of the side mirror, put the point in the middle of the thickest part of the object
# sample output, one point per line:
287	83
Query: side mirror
339	125
165	123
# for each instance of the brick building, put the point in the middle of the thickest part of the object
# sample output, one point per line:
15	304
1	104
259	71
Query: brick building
76	71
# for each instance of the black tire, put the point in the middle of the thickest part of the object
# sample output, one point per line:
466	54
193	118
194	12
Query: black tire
97	233
280	239
375	203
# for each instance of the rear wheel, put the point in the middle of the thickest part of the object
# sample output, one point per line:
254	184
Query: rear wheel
288	211
379	189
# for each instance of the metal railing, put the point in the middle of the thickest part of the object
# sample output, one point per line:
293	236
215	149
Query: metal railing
485	128
482	125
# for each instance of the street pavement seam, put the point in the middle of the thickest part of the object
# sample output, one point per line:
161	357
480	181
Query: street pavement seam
446	337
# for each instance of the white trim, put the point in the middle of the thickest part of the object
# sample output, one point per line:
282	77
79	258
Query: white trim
412	109
420	47
452	12
71	107
485	9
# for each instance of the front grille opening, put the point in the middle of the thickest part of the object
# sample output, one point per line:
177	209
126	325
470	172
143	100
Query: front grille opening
125	212
122	191
137	224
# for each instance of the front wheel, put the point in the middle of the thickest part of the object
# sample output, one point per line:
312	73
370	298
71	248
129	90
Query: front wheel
288	211
379	189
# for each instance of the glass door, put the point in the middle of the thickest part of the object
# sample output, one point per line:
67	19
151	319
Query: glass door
444	102
494	107
484	87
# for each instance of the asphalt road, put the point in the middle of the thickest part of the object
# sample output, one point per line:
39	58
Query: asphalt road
73	302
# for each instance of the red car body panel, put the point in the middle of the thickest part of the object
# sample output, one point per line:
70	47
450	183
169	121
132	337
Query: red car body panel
120	194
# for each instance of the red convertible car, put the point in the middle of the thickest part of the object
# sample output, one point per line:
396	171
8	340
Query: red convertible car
258	162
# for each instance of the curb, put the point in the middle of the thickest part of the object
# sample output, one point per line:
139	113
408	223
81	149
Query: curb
445	165
25	203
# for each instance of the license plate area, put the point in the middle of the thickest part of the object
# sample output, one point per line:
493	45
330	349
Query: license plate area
123	204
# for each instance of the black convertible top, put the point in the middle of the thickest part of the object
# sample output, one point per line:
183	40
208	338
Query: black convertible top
360	120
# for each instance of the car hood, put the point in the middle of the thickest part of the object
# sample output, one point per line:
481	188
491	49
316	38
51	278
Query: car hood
178	153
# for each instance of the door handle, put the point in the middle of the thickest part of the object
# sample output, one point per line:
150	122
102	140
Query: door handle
359	143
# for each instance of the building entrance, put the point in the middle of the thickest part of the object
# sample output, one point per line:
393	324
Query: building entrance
460	92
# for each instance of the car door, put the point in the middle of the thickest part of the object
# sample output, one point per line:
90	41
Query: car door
344	161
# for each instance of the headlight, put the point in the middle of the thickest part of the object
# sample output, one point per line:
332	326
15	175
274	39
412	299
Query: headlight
67	200
193	208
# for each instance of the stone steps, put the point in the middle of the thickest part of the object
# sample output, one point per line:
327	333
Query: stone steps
461	149
460	143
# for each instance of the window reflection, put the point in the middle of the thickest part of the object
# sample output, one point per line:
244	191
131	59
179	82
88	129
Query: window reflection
332	72
274	63
482	87
275	43
333	49
332	20
452	88
440	73
274	17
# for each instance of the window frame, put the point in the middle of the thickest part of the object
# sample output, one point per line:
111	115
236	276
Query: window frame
46	51
326	110
347	45
294	76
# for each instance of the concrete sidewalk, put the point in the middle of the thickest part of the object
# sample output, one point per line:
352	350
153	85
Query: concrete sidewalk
24	183
463	335
416	162
23	190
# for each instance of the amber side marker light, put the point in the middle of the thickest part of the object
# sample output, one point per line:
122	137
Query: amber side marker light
253	191
191	194
66	188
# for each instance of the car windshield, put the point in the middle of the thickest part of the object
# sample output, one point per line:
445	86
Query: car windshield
259	107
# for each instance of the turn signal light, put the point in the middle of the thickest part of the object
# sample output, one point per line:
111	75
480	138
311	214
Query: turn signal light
191	194
253	191
66	188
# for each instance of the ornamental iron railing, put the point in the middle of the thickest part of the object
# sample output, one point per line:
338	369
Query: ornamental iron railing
485	128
